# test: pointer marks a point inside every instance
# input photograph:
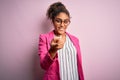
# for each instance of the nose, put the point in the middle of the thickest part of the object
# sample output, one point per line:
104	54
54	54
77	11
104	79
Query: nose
62	24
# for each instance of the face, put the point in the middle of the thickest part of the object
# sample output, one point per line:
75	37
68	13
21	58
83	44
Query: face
60	23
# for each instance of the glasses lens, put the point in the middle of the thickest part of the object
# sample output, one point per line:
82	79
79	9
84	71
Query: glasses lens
66	22
59	21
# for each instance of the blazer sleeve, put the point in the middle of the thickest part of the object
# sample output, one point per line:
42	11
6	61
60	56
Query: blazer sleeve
45	59
80	68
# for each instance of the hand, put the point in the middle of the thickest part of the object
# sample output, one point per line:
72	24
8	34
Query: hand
58	42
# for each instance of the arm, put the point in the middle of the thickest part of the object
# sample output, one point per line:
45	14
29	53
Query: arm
45	59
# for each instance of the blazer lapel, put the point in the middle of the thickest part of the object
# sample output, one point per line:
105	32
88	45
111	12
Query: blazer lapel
75	42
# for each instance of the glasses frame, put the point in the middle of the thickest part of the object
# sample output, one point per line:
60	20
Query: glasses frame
60	21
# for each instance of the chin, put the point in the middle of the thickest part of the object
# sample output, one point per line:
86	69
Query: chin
61	32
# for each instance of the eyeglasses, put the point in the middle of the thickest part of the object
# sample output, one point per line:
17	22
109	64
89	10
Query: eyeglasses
59	21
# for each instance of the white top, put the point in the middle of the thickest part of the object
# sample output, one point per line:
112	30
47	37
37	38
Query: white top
67	57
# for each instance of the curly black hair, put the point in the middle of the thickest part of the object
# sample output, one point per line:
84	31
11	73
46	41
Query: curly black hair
55	9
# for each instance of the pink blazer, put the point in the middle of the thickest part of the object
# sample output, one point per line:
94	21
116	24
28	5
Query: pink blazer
51	66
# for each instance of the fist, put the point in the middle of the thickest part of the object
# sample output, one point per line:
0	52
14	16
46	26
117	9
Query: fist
57	42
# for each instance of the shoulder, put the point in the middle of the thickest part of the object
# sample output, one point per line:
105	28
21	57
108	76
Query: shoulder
73	37
45	34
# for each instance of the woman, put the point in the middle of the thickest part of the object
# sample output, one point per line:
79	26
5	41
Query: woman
59	51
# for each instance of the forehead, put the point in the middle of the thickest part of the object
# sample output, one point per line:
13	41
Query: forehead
62	15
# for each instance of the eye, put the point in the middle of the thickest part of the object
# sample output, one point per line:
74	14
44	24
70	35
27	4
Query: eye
58	21
66	21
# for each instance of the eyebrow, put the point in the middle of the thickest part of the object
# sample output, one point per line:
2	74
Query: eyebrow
62	19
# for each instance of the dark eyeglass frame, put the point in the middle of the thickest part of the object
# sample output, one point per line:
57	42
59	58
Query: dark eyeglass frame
60	21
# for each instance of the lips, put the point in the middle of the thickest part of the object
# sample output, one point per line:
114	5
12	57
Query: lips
61	29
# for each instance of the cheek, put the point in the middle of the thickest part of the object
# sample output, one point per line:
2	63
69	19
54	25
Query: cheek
66	27
56	26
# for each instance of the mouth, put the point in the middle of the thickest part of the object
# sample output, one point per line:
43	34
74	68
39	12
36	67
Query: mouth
61	29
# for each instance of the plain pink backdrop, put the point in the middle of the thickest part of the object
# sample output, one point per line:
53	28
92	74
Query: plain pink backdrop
95	22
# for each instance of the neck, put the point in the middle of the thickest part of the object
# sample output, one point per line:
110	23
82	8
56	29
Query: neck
59	34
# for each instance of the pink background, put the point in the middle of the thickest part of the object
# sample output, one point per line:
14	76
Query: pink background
95	22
